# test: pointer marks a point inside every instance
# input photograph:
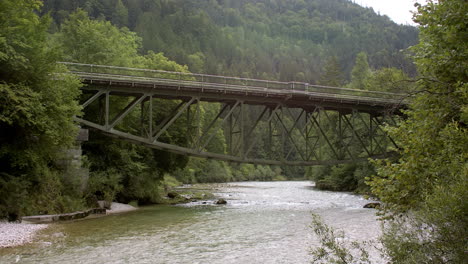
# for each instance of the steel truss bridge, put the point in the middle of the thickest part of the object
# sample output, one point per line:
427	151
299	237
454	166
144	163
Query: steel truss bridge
261	122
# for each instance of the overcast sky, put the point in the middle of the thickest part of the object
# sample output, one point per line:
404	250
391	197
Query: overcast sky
397	10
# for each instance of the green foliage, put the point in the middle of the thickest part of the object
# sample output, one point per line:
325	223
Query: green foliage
204	171
427	184
104	185
158	61
225	38
92	41
138	170
436	232
14	200
346	177
441	53
287	40
351	177
332	75
36	115
171	181
389	80
360	73
333	246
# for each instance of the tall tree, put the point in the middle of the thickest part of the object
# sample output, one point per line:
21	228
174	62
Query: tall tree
429	182
332	75
92	41
36	114
360	73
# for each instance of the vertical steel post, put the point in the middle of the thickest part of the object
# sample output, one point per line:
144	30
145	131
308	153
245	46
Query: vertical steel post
199	124
142	118
230	132
283	135
150	117
270	134
371	134
106	115
242	129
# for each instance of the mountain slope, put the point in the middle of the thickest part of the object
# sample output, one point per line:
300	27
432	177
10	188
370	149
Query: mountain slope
271	39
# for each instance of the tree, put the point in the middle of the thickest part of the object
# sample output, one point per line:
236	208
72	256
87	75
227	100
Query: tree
92	41
389	80
36	114
120	169
361	71
196	62
120	14
428	183
332	75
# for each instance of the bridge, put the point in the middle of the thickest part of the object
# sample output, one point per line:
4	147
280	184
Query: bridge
261	121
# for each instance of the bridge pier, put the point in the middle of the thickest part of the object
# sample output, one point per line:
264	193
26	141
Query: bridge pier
71	163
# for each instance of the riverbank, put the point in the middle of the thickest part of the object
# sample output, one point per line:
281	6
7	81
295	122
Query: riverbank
17	234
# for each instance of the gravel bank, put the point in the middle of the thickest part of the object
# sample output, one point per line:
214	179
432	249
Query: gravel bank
120	208
16	234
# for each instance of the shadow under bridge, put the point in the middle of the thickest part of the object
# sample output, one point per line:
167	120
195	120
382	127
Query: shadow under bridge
237	119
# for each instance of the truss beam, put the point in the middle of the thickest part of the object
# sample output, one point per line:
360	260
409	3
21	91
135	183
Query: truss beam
270	133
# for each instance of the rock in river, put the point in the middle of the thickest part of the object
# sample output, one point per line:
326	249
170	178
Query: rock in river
372	205
221	201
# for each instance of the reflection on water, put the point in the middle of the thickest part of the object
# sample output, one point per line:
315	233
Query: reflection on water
263	222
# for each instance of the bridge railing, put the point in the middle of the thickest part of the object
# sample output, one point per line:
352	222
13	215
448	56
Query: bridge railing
225	82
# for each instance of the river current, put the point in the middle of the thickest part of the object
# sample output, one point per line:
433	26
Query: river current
263	222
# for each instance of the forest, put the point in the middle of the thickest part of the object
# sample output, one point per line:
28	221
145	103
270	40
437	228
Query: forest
327	42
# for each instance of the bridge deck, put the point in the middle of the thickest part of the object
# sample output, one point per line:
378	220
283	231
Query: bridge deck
177	85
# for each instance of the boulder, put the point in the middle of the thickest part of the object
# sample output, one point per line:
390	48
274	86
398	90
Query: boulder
221	201
173	195
372	205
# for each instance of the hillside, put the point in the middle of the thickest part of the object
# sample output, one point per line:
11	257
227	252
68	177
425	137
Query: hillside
270	39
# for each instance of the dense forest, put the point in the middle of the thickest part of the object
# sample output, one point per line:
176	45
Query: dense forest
280	40
335	43
329	42
311	41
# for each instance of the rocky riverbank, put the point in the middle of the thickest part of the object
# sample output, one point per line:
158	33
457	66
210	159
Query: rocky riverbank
16	234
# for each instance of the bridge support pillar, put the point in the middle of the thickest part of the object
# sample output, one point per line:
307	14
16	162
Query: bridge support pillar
71	164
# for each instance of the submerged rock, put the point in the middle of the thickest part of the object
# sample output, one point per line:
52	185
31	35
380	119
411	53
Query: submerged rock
173	195
372	205
221	201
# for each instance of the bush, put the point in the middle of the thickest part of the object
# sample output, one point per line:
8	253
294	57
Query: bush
14	198
104	185
343	177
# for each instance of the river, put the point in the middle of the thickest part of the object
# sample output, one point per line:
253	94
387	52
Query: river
263	222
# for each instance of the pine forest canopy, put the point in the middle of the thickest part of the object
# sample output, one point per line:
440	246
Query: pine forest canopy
277	40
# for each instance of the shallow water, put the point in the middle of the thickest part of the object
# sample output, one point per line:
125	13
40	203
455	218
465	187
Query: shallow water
263	222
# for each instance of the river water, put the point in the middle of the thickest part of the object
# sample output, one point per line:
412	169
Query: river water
263	222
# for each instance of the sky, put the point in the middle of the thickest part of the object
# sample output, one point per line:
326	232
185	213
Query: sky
397	10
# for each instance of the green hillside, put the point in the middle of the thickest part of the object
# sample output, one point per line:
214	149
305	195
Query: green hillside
270	39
